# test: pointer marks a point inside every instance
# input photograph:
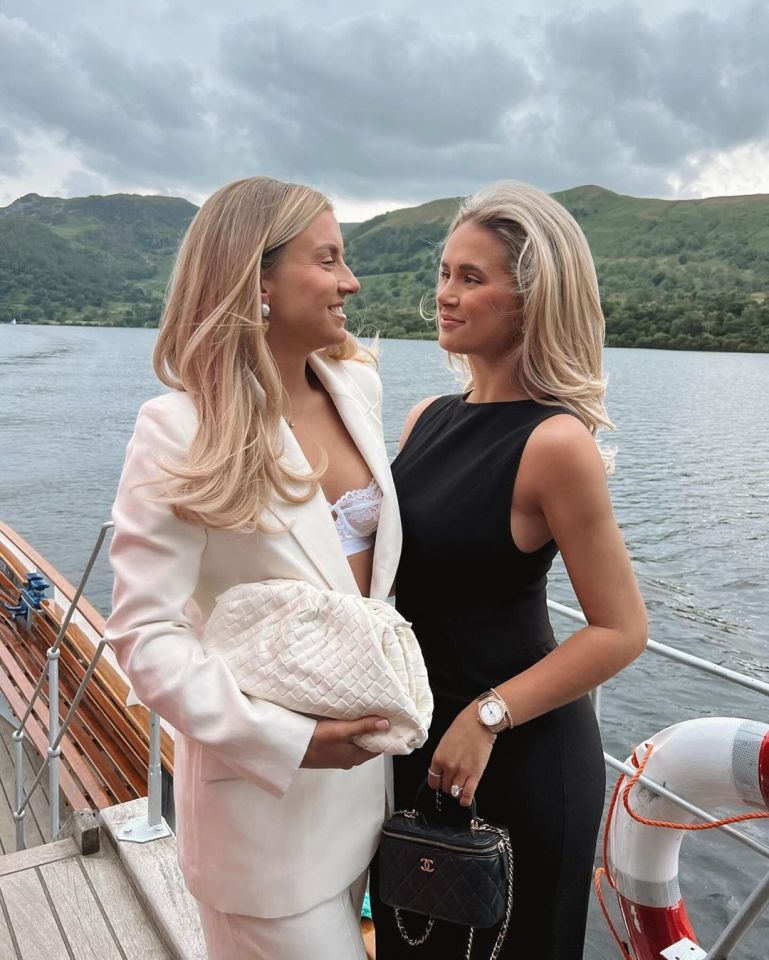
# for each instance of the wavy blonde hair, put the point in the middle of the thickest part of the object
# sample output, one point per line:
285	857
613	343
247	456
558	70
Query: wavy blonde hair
212	345
559	358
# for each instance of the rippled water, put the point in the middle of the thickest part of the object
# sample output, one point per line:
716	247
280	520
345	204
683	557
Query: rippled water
691	493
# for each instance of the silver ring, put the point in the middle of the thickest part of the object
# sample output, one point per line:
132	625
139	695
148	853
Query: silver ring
456	790
432	773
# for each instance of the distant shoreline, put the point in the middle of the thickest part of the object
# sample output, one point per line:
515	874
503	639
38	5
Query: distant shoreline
673	275
384	335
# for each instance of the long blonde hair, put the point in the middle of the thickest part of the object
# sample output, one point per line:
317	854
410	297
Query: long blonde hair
559	358
212	345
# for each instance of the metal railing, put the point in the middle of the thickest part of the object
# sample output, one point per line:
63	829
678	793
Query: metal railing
153	826
758	899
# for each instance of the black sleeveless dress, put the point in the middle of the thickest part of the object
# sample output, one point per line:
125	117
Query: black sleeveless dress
478	609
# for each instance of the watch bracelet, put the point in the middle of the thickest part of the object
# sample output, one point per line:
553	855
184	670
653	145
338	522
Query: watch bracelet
507	716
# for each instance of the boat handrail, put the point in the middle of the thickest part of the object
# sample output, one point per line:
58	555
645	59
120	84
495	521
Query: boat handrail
756	902
154	827
67	617
680	656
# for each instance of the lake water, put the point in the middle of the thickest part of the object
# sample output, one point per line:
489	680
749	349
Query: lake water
691	493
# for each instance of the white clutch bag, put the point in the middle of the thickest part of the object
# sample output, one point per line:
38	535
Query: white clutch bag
326	654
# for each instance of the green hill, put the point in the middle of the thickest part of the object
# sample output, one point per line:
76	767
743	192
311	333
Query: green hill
90	259
687	274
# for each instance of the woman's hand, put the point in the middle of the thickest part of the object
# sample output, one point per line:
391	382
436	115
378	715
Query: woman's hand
332	743
461	757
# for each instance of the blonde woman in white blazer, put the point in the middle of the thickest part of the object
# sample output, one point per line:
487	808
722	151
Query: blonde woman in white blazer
274	415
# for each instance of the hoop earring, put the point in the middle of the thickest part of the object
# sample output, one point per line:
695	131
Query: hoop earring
265	310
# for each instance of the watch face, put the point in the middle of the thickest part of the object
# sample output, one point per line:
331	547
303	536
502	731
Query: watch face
491	713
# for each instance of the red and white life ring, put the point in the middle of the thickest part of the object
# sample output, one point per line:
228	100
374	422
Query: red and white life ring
721	762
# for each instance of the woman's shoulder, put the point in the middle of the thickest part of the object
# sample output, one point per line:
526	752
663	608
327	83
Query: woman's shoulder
419	408
174	401
415	413
171	414
561	445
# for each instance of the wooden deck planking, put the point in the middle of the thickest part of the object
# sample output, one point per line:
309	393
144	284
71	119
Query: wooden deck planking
37	856
135	933
154	869
60	905
8	949
32	920
7	823
80	912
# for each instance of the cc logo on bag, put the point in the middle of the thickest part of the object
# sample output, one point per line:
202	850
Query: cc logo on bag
426	865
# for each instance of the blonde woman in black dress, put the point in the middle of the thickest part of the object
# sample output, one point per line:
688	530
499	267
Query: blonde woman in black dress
492	483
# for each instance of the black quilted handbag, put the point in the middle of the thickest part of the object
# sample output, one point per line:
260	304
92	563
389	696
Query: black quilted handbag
459	873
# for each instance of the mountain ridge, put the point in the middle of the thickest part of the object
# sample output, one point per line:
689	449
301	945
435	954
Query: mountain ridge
691	273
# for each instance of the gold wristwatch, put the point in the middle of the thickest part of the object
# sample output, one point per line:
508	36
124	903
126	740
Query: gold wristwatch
493	713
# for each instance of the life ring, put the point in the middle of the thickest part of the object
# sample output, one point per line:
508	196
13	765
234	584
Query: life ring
711	762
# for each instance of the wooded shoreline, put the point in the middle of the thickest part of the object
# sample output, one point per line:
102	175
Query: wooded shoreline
681	275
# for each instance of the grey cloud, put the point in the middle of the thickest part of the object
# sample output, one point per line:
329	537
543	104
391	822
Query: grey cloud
142	119
377	74
9	150
373	104
156	91
608	98
402	104
659	94
84	183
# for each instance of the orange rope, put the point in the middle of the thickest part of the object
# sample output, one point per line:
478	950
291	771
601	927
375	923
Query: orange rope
739	818
599	874
604	870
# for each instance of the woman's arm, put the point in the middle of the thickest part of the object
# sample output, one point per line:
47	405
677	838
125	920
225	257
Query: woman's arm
563	477
562	484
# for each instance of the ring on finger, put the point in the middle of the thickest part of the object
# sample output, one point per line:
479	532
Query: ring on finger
456	790
432	773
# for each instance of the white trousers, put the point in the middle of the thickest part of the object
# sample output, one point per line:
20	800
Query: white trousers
329	931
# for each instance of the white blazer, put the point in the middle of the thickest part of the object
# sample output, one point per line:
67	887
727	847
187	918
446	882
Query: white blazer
257	835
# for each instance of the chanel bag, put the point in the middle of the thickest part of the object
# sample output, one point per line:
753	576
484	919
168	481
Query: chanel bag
461	874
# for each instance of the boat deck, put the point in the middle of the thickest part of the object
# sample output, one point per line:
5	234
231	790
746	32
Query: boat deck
56	904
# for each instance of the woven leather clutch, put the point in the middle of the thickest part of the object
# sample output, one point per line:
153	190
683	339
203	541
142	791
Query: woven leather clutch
326	654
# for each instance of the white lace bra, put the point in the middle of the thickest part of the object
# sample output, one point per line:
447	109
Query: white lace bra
356	515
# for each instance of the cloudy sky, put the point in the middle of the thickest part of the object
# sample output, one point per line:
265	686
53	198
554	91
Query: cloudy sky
385	105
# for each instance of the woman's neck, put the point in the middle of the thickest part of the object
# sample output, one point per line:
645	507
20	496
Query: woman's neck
296	377
302	390
493	382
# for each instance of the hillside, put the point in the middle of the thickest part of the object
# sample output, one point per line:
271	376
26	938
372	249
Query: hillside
688	274
92	259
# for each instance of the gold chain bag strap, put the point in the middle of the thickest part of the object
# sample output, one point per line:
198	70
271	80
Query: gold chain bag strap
459	873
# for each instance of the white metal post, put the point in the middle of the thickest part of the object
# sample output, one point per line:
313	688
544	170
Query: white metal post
54	752
154	773
18	768
595	699
153	826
